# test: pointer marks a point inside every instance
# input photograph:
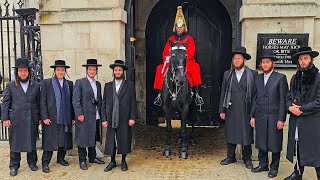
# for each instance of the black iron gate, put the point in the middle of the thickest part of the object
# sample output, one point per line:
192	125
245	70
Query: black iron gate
19	37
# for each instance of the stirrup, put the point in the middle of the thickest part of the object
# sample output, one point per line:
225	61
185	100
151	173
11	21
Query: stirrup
199	102
158	100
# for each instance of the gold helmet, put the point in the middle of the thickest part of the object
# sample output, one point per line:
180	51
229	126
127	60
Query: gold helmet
180	20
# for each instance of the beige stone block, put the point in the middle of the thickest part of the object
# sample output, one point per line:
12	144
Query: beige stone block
83	27
72	39
48	17
50	5
91	15
316	41
103	35
278	23
70	58
48	58
278	10
81	56
74	4
51	37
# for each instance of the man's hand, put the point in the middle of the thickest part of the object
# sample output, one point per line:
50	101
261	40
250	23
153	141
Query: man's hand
47	122
105	124
295	109
253	122
223	116
81	118
280	124
7	123
131	122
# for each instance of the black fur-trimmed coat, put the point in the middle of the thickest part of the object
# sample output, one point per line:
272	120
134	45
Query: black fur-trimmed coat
305	92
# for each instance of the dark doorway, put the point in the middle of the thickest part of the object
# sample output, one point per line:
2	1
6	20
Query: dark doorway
210	25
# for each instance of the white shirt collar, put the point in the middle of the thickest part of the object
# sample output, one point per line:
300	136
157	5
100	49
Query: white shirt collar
91	80
26	83
241	70
268	74
118	82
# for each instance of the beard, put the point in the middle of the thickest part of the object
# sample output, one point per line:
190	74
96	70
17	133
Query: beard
306	68
118	78
237	68
267	70
23	80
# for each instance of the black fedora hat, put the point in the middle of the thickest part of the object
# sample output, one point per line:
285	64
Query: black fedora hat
59	63
22	63
243	51
118	63
92	62
305	50
267	53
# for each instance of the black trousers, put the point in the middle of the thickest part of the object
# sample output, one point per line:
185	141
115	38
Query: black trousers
264	160
246	151
47	155
301	168
15	158
82	151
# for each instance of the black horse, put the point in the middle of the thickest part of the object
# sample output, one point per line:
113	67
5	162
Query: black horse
176	95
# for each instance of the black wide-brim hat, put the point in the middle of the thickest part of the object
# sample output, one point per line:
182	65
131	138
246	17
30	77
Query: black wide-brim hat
243	51
22	63
59	63
305	50
92	62
118	63
267	53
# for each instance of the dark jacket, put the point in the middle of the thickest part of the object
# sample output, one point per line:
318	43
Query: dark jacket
123	134
269	108
237	120
53	136
22	109
309	122
83	97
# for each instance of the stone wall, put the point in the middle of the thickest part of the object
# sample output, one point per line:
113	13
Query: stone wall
78	30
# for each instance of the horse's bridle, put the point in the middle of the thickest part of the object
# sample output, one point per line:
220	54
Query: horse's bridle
174	94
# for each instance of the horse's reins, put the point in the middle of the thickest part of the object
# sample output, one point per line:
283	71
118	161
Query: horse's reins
174	95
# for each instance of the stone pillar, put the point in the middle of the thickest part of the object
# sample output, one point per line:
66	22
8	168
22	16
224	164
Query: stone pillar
279	16
82	29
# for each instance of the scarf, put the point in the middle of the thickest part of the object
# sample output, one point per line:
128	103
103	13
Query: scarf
303	83
116	108
62	95
250	82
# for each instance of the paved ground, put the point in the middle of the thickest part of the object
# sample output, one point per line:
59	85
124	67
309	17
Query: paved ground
147	162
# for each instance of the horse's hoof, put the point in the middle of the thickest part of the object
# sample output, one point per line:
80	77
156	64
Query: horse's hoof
183	155
167	153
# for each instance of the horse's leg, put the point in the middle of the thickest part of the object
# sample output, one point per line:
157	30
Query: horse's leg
193	118
184	119
167	113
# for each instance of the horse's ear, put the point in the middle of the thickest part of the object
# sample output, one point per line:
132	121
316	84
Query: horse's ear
185	43
171	43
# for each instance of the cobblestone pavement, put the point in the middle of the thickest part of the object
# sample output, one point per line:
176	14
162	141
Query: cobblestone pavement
147	162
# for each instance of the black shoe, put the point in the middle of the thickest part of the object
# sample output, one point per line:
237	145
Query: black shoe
63	162
33	167
228	161
83	166
259	169
97	161
273	173
248	164
110	166
45	169
294	176
124	166
13	172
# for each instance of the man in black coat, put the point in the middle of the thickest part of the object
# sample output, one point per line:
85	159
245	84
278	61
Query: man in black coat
20	113
87	106
303	104
237	93
56	114
118	115
269	113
